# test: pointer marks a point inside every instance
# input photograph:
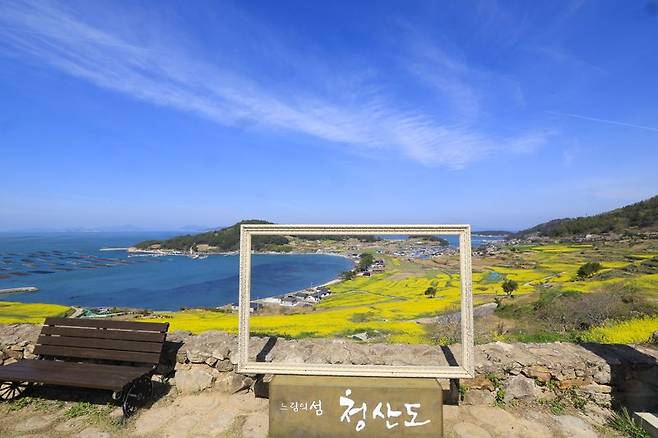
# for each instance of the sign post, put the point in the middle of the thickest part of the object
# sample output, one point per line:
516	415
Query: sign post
320	406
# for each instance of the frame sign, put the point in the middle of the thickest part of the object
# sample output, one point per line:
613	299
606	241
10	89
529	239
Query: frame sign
465	369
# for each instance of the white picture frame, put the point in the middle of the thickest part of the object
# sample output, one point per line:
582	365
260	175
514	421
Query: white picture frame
466	367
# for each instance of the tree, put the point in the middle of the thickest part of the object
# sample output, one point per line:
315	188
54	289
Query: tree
589	269
509	286
430	292
365	260
348	275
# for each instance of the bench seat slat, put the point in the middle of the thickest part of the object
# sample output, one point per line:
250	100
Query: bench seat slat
94	353
78	375
105	344
125	335
109	324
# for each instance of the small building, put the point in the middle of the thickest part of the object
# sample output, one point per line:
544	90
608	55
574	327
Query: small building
289	301
255	307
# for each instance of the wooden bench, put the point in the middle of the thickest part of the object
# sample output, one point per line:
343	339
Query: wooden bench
117	356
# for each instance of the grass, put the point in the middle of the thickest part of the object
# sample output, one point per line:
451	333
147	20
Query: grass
16	313
622	421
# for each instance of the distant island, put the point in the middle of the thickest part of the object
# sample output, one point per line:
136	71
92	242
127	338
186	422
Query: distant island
228	240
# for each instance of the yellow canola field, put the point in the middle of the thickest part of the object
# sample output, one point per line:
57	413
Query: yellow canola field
633	331
16	313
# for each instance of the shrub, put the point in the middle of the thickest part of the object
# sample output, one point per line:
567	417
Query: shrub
564	311
589	269
430	292
509	286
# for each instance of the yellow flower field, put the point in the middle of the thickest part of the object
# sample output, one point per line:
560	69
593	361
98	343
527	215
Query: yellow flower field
634	331
15	313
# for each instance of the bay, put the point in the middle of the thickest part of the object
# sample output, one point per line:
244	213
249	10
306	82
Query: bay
70	269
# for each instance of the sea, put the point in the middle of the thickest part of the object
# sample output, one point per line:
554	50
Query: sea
71	268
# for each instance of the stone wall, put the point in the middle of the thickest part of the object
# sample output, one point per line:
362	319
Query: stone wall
590	375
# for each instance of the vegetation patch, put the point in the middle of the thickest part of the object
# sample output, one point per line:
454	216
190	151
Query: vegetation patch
17	313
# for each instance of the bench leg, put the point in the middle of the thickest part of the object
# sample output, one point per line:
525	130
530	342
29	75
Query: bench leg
12	390
137	394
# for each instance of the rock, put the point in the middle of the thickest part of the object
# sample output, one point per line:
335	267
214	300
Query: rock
15	354
596	388
232	382
196	356
224	365
194	380
28	355
181	356
602	376
654	337
478	382
479	397
538	372
521	388
574	427
211	361
9	361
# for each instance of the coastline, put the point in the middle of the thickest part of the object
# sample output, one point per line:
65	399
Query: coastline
173	252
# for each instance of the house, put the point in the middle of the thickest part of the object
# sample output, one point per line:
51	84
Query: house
255	307
289	301
312	298
324	292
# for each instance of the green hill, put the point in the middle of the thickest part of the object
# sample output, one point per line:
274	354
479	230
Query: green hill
641	216
228	239
225	239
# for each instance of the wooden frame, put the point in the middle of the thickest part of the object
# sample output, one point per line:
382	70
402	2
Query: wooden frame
465	370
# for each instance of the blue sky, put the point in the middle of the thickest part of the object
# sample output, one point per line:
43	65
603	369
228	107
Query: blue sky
168	114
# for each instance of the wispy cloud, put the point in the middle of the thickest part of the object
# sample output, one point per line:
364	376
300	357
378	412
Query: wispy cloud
607	122
54	34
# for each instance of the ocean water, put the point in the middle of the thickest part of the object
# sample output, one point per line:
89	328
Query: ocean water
70	269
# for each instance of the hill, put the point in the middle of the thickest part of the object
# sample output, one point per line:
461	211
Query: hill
641	216
228	239
224	239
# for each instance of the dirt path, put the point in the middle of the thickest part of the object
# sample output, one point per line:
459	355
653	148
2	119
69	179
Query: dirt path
216	414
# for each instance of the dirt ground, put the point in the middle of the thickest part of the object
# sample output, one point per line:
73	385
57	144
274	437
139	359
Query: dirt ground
44	413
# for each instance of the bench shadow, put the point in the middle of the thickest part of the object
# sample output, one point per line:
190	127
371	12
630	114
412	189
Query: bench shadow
92	396
261	385
633	376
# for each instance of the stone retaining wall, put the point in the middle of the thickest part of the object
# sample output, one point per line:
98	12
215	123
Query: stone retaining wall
595	376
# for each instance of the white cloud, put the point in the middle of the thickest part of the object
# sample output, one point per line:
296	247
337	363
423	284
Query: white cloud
162	75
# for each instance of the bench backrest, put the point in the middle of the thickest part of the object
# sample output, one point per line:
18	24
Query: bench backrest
102	340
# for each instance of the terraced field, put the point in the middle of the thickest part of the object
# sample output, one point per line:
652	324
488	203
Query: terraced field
386	306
